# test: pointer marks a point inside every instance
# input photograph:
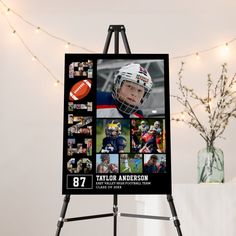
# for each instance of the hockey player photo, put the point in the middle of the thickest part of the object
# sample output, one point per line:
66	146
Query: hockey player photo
107	163
131	163
113	136
131	87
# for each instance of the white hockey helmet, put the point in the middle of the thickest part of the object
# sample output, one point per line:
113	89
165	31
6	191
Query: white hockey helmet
136	74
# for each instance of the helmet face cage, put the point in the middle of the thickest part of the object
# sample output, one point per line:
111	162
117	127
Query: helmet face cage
111	127
136	74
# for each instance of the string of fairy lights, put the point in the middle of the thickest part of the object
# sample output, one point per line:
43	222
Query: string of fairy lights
6	11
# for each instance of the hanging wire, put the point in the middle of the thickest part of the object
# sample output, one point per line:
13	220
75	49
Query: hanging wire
30	51
44	30
88	50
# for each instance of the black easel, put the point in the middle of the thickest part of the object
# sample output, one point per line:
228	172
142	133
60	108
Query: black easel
117	29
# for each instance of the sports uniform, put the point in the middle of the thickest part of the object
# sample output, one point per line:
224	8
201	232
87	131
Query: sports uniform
113	145
137	162
150	168
113	142
134	137
143	128
157	127
103	167
127	167
151	141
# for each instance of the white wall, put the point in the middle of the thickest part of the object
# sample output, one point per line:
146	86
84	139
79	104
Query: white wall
32	108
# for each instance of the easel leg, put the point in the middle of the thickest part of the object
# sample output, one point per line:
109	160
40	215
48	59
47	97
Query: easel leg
108	39
174	214
62	215
116	45
115	210
125	40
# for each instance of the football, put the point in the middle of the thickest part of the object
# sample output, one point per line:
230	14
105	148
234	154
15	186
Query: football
80	90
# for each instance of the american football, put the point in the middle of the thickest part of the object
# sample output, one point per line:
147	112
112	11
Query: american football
80	90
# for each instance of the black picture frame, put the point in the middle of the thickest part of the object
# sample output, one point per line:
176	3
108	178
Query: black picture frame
81	135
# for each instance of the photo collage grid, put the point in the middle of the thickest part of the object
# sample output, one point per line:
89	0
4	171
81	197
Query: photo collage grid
125	145
122	126
130	146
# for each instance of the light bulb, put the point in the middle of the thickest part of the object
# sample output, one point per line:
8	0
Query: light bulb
225	49
37	29
197	56
8	11
67	45
56	83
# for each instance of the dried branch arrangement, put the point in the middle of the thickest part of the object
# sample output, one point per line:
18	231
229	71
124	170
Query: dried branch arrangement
219	104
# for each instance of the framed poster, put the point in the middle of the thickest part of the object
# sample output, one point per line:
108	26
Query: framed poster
116	124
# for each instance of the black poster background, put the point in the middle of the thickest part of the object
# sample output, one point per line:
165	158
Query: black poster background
83	182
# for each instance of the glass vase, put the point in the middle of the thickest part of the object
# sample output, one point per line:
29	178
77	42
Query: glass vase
210	165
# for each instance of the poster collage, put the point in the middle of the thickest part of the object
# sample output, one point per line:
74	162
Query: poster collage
110	145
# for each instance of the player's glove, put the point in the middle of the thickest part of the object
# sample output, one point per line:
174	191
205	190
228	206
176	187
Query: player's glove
104	151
